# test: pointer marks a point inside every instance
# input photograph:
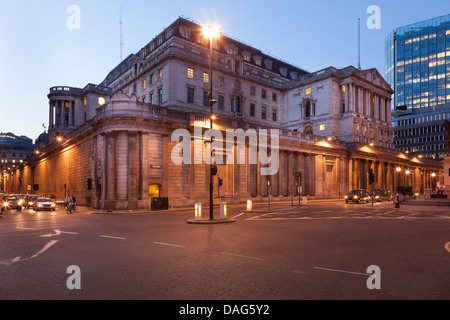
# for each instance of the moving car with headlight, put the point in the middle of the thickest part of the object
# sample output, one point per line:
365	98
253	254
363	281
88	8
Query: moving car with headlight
30	200
381	195
357	196
44	204
13	202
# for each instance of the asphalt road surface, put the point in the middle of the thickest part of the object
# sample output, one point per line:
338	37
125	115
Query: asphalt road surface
324	250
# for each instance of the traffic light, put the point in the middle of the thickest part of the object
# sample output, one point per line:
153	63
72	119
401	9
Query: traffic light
89	184
371	176
214	170
300	178
220	182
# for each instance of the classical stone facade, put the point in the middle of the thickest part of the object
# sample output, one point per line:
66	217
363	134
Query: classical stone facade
117	138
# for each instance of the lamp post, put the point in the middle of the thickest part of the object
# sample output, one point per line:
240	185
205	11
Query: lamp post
397	195
433	181
211	32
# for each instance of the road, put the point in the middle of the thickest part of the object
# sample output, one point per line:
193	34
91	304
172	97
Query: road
319	251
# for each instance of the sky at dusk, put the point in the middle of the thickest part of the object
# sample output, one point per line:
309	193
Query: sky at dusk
38	50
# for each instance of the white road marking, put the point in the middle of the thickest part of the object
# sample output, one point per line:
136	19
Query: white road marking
168	244
239	215
112	237
19	259
67	232
241	256
45	248
343	271
57	233
21	228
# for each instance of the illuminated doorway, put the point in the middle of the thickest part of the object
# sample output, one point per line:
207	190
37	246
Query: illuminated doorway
154	191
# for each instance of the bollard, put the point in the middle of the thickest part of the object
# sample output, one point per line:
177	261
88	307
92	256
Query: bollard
198	211
223	210
249	205
305	201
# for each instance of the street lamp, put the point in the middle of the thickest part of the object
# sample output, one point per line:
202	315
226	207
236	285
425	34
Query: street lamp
211	32
399	170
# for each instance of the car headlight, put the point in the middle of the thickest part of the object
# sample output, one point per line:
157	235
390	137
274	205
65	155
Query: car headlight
355	197
346	197
377	197
5	204
40	205
52	204
30	203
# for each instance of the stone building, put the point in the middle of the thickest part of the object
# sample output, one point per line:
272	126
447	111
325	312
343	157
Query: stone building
113	144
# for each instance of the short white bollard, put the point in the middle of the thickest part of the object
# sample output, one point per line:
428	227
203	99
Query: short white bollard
305	201
249	205
223	210
198	211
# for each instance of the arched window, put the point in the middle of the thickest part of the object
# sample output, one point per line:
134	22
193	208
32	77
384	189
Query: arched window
309	130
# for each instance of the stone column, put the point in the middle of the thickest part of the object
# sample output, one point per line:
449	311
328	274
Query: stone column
50	120
133	166
110	176
351	105
346	97
165	167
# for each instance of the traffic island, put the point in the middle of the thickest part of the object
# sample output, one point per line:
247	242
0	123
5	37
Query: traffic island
208	221
199	220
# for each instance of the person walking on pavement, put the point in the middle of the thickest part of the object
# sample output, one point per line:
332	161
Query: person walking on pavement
74	203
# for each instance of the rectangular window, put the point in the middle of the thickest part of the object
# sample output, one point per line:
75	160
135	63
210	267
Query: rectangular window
263	94
308	91
322	127
151	79
160	97
159	74
274	97
190	73
252	109
206	98
190	95
263	112
221	81
205	77
274	115
144	84
252	91
220	102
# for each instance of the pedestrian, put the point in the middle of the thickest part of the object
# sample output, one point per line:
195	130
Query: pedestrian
397	200
441	190
74	203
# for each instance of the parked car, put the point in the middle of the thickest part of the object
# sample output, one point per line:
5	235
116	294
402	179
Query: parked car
357	196
30	200
44	204
381	195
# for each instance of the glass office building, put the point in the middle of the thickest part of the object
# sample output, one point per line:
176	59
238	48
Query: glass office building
418	63
418	69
